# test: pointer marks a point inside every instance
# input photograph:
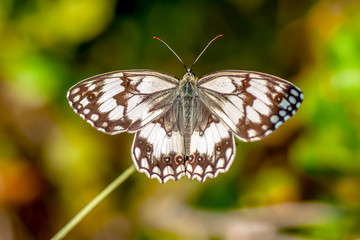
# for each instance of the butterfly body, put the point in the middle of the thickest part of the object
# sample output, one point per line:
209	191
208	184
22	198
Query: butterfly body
187	99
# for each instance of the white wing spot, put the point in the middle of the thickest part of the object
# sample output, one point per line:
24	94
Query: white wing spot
292	99
76	98
86	111
92	87
94	117
75	90
278	89
198	170
90	122
156	170
294	92
286	117
118	128
144	162
228	153
221	162
208	169
252	133
282	113
268	132
278	124
274	118
137	154
168	171
84	102
189	168
180	169
284	103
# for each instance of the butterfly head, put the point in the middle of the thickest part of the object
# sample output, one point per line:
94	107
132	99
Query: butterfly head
189	76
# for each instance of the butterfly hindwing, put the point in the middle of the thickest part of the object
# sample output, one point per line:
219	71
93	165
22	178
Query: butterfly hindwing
212	146
161	150
158	149
252	104
124	100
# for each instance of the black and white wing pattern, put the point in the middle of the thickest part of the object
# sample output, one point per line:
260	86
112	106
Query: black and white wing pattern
123	101
158	149
185	127
252	104
211	145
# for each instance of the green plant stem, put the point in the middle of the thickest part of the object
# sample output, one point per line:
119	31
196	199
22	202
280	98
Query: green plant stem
70	225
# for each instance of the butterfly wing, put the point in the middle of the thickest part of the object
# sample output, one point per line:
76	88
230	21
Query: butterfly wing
158	149
123	101
252	104
211	146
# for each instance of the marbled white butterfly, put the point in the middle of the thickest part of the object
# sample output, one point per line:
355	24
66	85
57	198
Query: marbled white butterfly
185	127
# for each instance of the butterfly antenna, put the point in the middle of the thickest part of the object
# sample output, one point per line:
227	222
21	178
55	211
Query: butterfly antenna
220	35
171	50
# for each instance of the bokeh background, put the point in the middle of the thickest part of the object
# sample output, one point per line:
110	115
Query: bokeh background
302	182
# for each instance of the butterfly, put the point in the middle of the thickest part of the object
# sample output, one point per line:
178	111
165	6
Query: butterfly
185	126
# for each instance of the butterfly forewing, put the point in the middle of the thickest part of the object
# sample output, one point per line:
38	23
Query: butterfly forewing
252	104
124	100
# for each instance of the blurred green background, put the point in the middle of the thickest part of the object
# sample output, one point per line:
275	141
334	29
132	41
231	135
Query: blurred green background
302	182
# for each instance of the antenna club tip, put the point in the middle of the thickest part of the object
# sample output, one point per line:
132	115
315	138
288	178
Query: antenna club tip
155	37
